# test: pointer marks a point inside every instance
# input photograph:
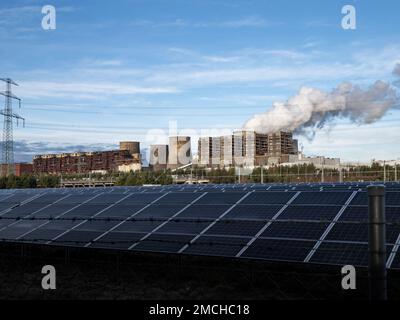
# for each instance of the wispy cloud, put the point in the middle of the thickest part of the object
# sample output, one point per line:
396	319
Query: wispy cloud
251	21
88	90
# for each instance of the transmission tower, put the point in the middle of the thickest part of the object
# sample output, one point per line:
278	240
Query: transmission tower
8	167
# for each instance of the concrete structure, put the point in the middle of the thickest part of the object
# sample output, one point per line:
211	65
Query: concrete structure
246	148
85	162
179	152
128	167
158	157
132	146
319	162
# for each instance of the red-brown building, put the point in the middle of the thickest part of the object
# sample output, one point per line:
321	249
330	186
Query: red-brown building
20	169
81	162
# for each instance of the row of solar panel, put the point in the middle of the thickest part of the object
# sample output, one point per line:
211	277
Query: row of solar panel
124	234
225	187
256	197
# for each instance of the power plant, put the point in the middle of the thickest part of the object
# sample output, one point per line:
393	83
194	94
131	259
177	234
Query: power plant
246	148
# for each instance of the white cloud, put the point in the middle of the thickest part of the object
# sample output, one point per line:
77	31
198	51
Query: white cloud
35	89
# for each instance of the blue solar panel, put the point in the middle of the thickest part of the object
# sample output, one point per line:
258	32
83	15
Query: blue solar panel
217	246
308	212
163	243
221	198
273	249
203	211
326	198
188	226
117	240
268	197
248	211
295	230
168	218
158	211
339	253
133	225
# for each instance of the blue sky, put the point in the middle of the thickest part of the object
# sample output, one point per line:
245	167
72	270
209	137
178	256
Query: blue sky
123	70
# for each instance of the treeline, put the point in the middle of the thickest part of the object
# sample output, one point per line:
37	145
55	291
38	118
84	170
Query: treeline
144	177
28	181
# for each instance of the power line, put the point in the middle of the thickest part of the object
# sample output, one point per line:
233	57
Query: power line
8	142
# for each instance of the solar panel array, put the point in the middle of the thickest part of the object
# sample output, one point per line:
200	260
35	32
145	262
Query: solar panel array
309	223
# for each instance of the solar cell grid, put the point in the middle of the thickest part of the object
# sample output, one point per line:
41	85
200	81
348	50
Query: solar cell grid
308	212
117	240
121	211
359	232
203	211
13	230
339	253
178	198
141	198
158	210
163	243
187	226
236	228
274	249
133	225
295	230
325	198
221	198
268	197
217	246
76	238
85	211
248	211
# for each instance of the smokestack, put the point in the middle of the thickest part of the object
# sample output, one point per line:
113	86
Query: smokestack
312	108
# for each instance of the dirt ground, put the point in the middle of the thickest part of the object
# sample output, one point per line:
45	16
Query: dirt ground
91	275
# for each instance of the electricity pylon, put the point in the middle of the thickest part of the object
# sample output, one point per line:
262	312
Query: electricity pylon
8	166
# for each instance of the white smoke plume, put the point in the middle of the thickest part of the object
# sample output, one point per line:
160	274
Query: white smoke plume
312	108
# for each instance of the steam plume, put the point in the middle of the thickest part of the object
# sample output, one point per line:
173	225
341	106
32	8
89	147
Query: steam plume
312	108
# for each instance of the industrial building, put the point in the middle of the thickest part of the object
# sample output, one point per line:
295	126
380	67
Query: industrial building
90	162
20	169
179	152
158	157
319	162
246	148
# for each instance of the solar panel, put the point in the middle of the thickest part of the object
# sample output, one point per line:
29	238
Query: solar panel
117	240
236	227
248	211
295	230
188	226
217	246
158	210
138	226
268	197
326	198
308	212
339	253
203	211
221	198
276	249
293	223
163	243
178	198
